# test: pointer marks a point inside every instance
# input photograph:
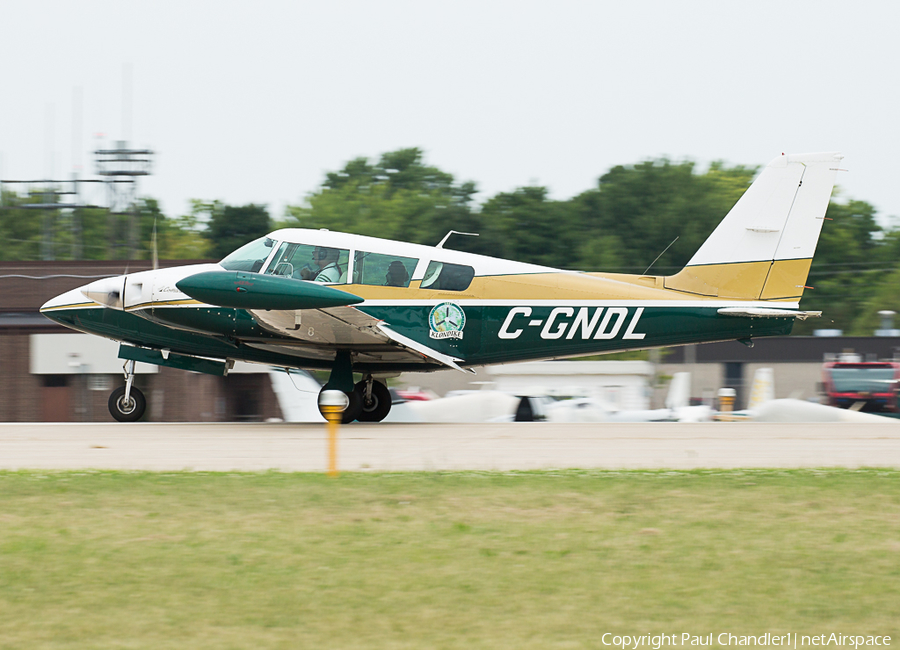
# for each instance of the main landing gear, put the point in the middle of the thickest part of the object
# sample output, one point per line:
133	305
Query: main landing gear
127	403
369	399
375	398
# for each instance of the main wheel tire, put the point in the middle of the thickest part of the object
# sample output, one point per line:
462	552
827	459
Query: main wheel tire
130	411
378	405
354	406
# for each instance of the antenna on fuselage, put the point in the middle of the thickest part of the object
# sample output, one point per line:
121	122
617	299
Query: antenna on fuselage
660	255
154	246
457	232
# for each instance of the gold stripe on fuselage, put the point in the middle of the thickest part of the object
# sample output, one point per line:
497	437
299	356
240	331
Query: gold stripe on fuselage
534	286
78	305
781	280
164	303
738	281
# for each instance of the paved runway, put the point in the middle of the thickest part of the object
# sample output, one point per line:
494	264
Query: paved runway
293	447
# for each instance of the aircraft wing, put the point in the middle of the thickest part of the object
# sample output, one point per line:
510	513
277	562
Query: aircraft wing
317	332
424	350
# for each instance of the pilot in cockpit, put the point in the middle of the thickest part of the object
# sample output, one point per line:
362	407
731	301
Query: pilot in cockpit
324	266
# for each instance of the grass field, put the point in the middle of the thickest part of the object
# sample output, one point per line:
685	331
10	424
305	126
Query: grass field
442	560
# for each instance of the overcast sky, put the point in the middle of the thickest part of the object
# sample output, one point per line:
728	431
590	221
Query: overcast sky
254	102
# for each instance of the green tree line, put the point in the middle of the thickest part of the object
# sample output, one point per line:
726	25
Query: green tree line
632	214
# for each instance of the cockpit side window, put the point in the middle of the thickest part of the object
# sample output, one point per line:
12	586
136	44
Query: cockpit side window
249	257
308	262
448	277
383	270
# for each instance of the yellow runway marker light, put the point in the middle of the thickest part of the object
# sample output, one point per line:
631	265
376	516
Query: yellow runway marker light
332	403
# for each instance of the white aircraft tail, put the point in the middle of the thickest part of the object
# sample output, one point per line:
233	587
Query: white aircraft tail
763	248
763	389
679	394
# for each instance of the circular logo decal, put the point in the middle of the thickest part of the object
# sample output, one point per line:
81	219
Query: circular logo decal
446	321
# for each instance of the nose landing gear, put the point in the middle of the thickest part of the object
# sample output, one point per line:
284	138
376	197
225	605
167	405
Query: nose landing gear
127	403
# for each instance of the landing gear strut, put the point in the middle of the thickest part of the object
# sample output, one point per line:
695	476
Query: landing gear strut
376	400
127	403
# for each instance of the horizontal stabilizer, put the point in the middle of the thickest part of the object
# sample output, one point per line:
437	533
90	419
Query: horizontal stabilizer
766	312
255	291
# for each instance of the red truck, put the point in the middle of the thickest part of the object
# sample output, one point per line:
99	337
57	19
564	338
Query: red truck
873	384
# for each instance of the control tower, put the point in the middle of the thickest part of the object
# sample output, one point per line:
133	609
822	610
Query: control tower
121	167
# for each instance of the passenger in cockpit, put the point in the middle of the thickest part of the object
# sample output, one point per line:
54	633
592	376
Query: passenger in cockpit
396	275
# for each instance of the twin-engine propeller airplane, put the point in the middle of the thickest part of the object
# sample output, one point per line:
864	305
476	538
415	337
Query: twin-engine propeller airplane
352	304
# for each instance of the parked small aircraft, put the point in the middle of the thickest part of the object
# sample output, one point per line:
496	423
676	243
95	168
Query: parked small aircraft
318	299
763	407
677	408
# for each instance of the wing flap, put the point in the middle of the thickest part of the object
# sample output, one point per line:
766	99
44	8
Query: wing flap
326	329
343	326
422	349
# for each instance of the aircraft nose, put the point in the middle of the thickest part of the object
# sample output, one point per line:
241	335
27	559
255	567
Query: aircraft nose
60	308
106	291
49	308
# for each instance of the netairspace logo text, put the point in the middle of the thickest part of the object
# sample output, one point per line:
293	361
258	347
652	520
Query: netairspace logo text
789	640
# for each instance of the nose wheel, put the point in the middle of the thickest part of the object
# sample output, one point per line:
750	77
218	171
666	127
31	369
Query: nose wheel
128	409
127	403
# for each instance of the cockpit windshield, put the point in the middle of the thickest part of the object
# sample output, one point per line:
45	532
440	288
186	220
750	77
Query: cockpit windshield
249	257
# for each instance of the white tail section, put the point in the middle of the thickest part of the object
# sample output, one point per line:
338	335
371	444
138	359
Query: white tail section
763	389
779	217
679	394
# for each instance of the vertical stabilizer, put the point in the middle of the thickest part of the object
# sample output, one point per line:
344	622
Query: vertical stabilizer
763	248
679	394
763	388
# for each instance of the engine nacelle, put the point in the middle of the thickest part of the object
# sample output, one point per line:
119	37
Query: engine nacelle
244	290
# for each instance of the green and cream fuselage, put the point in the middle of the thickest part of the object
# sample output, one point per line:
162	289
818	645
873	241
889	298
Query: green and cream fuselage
405	307
508	312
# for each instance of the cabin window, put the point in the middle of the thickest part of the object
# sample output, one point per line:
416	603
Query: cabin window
249	257
383	270
307	262
448	277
